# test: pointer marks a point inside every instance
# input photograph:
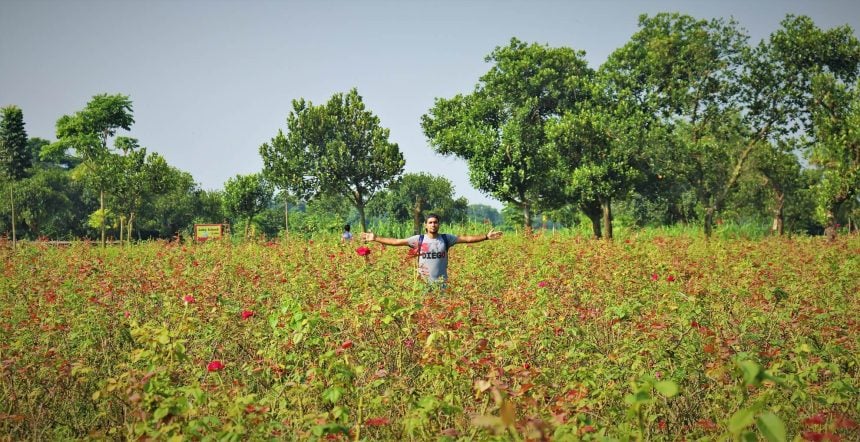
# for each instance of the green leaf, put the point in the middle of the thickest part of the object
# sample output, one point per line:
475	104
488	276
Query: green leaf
332	394
163	338
667	388
160	413
771	427
751	372
741	419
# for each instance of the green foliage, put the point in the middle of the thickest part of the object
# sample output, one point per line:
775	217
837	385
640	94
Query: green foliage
87	132
15	156
482	213
337	148
837	147
48	204
414	195
246	196
499	129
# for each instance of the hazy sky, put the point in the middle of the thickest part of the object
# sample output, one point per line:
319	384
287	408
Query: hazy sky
213	80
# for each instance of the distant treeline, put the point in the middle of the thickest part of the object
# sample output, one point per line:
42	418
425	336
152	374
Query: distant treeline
686	123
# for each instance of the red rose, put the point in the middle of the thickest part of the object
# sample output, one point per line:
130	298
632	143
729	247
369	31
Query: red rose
215	366
247	314
188	299
363	251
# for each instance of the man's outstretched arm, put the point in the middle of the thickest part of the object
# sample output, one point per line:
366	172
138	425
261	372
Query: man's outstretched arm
370	236
467	239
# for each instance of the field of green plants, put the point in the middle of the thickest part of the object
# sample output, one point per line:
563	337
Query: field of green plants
541	337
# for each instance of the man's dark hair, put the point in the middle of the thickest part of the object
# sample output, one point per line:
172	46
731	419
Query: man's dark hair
433	215
346	227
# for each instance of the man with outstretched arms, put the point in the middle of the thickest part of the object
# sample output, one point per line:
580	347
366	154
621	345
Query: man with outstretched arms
432	247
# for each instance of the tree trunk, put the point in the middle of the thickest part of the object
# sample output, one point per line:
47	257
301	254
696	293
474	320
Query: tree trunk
130	228
12	203
778	215
121	227
830	224
527	217
286	214
717	202
709	221
360	208
606	206
104	215
416	215
247	227
594	212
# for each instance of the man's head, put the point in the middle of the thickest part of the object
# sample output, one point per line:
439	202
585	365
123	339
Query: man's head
431	223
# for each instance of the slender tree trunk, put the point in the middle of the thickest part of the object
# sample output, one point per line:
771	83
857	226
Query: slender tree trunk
416	215
717	202
830	224
130	227
606	206
527	217
104	215
121	226
778	215
360	207
247	227
12	203
286	214
709	221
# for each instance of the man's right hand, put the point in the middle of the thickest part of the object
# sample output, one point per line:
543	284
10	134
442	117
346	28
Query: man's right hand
368	236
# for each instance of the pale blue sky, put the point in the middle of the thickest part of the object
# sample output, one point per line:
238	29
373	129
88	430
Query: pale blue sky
212	80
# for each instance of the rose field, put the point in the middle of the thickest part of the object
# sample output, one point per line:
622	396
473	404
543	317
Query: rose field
546	337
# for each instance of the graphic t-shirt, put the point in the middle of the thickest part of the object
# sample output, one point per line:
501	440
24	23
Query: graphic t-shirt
433	258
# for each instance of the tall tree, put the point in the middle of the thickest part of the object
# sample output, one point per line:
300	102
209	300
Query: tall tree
685	71
836	150
87	132
499	129
15	158
246	196
780	171
599	143
138	178
338	148
288	161
779	91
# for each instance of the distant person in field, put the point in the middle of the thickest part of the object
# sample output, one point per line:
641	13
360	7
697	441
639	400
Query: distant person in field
432	248
346	236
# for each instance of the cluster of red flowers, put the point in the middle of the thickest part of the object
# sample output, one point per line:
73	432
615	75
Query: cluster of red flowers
656	277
